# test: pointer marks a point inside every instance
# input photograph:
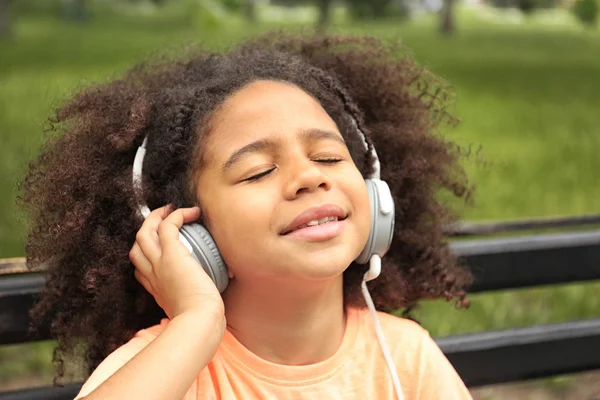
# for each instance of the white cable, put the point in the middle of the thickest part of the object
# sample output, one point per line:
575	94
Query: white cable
384	348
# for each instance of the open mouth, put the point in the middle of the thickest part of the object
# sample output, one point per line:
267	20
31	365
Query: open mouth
315	223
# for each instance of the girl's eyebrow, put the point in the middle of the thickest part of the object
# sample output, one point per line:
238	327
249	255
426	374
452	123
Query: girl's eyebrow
267	144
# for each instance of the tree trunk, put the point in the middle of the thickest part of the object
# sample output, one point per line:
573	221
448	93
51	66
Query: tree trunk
324	14
447	17
76	10
251	11
4	19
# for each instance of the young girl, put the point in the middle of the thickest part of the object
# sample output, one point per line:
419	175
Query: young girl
275	148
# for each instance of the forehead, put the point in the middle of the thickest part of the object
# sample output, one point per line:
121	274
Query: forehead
263	109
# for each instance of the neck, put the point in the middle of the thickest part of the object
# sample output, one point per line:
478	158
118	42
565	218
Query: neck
296	324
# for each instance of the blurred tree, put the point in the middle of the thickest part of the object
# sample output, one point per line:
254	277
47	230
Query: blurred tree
586	12
369	9
447	25
247	7
234	5
290	3
527	6
324	13
251	10
76	10
4	19
54	8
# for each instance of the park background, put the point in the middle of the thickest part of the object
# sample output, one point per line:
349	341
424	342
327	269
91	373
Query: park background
526	79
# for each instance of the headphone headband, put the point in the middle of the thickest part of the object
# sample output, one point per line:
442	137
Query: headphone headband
137	178
376	165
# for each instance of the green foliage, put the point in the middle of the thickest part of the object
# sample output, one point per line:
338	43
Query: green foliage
37	7
370	9
234	5
586	11
76	10
72	10
292	3
527	6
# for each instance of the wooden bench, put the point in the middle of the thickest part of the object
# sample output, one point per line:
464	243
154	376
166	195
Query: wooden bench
483	358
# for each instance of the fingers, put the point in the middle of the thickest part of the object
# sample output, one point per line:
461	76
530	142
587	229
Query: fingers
147	236
143	267
139	260
168	230
159	231
143	281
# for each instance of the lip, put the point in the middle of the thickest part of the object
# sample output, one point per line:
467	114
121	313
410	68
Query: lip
325	210
319	233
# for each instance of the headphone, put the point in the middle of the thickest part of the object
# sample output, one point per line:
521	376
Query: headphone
203	248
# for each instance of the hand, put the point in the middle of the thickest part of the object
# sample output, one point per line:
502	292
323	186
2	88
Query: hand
167	270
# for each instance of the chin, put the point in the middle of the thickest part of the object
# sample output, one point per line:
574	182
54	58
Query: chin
326	266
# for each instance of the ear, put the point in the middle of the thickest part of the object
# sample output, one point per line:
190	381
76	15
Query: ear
204	218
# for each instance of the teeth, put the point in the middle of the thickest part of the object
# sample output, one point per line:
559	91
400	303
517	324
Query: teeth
315	222
325	219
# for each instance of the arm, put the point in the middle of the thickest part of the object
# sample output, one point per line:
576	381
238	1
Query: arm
167	367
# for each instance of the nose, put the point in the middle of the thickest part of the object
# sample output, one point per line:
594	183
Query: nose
306	177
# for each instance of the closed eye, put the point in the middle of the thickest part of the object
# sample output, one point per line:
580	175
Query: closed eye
265	173
258	176
328	160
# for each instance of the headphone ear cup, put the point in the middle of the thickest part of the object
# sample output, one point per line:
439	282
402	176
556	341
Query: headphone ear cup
205	251
382	220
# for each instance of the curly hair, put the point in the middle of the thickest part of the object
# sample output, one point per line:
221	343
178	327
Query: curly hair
82	207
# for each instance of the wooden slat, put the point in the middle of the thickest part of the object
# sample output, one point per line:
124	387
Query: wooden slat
518	262
68	392
524	353
13	266
495	227
18	294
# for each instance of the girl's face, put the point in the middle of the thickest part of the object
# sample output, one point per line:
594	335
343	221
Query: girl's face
271	155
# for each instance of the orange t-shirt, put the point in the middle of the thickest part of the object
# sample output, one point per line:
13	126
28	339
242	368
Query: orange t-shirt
356	371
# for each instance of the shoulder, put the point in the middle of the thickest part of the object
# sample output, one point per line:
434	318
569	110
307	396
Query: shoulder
397	331
422	367
401	326
121	356
407	340
410	344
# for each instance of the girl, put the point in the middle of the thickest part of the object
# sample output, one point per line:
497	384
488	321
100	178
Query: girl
270	146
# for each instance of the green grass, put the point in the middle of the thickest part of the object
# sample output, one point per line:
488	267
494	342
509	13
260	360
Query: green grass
529	95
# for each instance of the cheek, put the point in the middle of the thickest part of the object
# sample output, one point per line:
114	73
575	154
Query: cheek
364	208
359	197
358	193
240	218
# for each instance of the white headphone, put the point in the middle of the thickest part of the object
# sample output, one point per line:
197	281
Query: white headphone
204	249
